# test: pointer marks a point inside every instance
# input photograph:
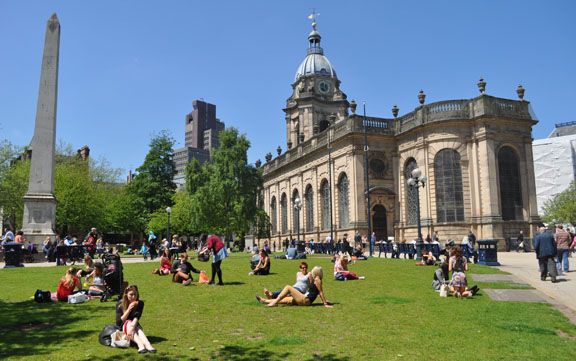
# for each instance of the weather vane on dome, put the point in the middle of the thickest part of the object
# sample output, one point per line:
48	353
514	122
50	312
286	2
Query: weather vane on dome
313	16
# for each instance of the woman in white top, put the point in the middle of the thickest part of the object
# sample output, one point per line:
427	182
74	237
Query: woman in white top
302	282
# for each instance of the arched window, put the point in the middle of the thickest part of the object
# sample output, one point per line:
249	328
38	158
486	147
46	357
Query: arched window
309	205
273	216
284	209
343	202
510	184
448	180
411	193
325	198
296	220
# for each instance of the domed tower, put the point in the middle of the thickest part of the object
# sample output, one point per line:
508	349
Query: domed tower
316	95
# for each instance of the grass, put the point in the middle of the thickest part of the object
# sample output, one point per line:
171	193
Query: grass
393	314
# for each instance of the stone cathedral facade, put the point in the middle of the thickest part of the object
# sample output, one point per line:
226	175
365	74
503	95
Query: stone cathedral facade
476	154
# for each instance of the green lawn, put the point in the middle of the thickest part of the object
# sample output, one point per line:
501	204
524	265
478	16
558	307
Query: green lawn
394	314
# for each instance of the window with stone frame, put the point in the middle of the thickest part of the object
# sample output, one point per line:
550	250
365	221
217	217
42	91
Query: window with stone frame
411	193
325	201
273	216
309	205
343	202
284	209
296	215
510	184
449	192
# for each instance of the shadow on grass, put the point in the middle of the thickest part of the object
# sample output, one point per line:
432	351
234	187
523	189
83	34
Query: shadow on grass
28	328
241	353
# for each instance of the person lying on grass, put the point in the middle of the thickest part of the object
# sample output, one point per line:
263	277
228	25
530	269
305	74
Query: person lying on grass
128	314
303	280
165	264
341	267
182	270
292	296
263	266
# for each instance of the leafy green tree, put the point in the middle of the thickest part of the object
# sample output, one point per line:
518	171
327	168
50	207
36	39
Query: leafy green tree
224	194
562	207
153	185
13	186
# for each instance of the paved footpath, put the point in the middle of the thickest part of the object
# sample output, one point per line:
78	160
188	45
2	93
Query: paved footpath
522	266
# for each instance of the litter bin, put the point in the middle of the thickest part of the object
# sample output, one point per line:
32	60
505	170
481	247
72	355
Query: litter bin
488	252
13	255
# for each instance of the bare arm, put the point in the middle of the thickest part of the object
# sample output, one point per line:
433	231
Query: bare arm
318	283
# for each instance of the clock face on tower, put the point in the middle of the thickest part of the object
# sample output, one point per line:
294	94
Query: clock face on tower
324	87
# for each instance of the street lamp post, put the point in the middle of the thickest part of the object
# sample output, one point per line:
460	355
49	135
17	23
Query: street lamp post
168	238
332	120
367	183
418	180
297	207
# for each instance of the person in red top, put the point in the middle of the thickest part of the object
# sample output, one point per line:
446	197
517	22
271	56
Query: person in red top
18	238
67	285
219	252
165	264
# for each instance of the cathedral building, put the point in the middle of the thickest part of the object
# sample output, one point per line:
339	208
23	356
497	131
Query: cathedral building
475	153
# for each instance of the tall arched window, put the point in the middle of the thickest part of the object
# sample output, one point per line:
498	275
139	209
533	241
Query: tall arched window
510	184
448	180
273	216
325	198
284	209
411	193
309	204
343	202
296	215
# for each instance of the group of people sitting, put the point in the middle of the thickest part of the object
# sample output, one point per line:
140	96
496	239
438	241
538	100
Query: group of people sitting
71	282
181	269
304	292
458	266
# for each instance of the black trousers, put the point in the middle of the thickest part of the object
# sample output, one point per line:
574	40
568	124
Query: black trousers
547	265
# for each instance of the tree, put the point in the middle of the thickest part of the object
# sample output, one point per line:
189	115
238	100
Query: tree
153	185
562	207
224	194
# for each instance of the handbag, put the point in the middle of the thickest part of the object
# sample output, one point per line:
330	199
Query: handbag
203	278
204	257
105	336
444	290
118	339
77	298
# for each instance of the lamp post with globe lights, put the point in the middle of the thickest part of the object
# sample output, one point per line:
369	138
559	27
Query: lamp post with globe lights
168	238
418	180
297	207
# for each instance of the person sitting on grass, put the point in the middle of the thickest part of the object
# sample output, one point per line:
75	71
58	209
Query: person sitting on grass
341	268
428	258
458	266
441	276
165	264
67	285
88	265
302	282
359	253
263	266
128	314
96	287
182	270
292	296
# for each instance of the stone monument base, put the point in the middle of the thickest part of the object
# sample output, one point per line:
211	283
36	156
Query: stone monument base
39	217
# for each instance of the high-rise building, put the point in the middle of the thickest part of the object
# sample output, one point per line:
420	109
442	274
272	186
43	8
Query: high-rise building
202	135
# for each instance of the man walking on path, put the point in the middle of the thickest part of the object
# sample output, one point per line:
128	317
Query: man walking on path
545	248
563	245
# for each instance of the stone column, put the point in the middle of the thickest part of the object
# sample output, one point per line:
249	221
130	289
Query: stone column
39	202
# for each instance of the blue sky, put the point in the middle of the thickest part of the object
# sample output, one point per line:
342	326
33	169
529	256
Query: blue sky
129	69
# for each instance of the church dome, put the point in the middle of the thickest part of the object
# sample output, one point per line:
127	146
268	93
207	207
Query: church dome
315	63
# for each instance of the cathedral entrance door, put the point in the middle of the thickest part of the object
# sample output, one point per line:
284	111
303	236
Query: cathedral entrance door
379	222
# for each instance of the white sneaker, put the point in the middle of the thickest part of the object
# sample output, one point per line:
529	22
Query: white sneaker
187	282
251	274
362	278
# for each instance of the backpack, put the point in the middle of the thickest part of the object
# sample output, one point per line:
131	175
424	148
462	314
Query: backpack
105	336
339	277
42	296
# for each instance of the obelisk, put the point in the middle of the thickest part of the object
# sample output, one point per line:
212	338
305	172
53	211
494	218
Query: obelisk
39	219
